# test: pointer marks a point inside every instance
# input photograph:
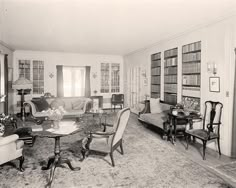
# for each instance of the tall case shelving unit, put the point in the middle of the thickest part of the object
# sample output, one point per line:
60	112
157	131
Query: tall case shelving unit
155	75
170	76
191	75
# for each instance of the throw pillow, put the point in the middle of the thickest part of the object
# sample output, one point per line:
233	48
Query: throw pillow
56	103
40	104
155	106
78	105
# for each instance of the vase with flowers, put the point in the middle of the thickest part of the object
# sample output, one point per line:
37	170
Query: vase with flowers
56	114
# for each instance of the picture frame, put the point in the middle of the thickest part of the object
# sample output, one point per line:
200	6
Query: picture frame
214	84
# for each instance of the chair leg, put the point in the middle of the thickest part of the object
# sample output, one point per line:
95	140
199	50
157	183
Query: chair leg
21	163
112	159
121	148
186	138
218	142
204	150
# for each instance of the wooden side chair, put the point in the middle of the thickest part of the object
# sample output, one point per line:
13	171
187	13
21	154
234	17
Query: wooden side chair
108	142
211	126
117	99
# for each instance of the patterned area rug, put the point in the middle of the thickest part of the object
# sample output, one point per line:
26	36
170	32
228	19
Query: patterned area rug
148	162
229	170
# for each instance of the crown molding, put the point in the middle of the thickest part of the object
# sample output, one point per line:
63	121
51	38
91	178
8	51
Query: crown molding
6	45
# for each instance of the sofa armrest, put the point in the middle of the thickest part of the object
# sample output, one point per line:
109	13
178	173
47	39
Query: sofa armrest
146	108
87	105
8	139
32	106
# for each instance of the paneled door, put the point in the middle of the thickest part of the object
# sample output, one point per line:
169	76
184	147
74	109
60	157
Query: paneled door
134	88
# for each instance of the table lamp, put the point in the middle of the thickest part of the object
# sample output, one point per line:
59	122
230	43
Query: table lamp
23	86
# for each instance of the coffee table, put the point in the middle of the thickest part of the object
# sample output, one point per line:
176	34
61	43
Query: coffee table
56	160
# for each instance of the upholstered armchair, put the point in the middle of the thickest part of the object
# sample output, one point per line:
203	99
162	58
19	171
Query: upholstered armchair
108	142
11	148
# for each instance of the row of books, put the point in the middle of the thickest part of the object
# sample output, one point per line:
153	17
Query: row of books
171	79
156	71
192	80
171	62
156	56
155	88
156	63
170	53
170	70
156	80
192	47
192	57
191	68
172	88
191	88
155	95
170	98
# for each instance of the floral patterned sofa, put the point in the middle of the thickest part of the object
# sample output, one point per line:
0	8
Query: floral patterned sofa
74	107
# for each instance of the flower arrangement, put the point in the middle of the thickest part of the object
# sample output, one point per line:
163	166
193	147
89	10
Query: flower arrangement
56	114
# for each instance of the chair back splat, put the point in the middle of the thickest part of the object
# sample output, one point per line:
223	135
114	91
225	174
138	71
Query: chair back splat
212	116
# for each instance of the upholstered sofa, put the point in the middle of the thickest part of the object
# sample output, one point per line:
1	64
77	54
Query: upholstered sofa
155	113
74	107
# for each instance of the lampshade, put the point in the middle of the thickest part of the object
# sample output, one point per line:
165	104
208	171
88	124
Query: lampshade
22	83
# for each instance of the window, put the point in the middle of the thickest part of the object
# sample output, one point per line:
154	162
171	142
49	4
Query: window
105	78
33	70
74	81
110	77
24	69
115	78
38	77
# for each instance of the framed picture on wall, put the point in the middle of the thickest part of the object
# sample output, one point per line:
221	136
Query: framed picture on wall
214	84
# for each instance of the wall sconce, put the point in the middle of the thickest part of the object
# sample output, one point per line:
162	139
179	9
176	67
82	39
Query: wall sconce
94	75
212	68
144	73
51	75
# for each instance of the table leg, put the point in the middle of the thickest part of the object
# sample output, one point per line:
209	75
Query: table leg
171	125
56	161
175	123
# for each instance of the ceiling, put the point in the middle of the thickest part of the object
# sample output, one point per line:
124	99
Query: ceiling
103	26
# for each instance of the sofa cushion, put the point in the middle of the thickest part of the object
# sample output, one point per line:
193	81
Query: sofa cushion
40	104
78	104
156	119
157	107
57	102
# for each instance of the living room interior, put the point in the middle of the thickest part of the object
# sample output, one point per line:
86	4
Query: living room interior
154	54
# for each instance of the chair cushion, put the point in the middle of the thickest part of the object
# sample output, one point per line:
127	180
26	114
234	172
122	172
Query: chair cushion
40	104
202	134
100	144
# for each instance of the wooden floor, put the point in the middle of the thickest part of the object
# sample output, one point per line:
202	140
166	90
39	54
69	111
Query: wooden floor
194	152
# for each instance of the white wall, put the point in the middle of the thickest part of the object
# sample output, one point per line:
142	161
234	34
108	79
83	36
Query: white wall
51	59
218	42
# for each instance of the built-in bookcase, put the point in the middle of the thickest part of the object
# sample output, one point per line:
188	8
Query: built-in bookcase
191	75
170	75
155	75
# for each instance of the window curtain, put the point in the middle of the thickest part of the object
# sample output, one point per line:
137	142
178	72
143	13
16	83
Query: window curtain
60	85
6	84
87	82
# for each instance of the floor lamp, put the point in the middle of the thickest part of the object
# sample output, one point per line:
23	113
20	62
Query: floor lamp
23	87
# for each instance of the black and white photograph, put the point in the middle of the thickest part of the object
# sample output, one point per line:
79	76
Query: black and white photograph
118	93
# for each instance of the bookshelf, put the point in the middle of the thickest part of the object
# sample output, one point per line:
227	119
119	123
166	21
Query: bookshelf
170	76
191	75
155	75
